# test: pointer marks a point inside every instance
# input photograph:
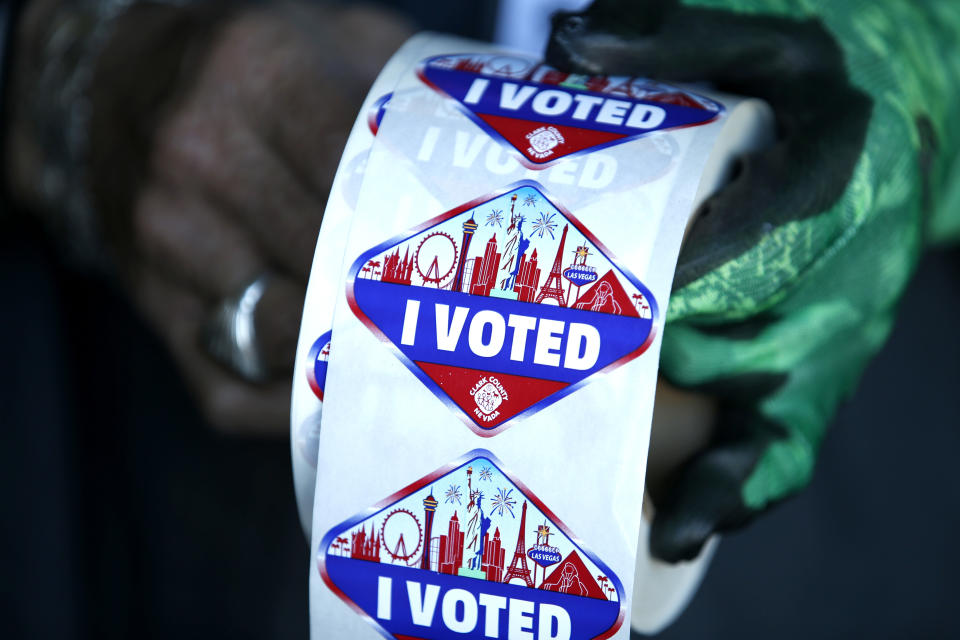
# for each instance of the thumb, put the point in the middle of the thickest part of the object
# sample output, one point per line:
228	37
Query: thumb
706	494
740	52
592	41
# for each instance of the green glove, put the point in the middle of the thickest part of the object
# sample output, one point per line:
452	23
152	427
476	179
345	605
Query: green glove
789	281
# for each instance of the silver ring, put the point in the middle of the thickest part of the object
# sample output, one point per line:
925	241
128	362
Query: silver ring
230	336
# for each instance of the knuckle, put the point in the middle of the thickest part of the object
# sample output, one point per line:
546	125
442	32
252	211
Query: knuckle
187	147
147	221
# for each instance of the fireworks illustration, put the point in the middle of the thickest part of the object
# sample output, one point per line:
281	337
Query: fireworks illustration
486	474
530	200
544	224
453	494
495	217
503	501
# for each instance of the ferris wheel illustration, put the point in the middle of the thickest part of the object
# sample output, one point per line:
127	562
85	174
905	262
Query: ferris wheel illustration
438	251
402	534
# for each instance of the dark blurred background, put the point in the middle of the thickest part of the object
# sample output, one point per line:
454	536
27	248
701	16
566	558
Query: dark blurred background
126	516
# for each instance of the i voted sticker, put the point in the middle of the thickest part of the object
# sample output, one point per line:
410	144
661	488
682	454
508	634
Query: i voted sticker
470	551
317	359
503	305
545	114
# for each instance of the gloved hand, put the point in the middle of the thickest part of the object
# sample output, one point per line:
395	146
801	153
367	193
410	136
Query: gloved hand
788	282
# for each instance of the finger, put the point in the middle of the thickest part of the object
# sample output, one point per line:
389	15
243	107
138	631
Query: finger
691	44
800	176
277	322
375	31
205	252
581	41
682	424
229	405
188	240
236	172
705	496
790	64
320	94
312	153
291	95
310	131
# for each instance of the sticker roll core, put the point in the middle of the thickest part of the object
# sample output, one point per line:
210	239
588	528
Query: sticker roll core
477	363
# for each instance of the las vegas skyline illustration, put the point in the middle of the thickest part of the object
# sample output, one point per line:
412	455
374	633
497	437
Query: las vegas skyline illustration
516	246
476	523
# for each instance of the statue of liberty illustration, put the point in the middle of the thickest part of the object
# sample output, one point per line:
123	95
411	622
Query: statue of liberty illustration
472	540
516	245
477	562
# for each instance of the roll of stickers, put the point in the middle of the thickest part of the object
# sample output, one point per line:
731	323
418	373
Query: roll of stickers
325	287
492	273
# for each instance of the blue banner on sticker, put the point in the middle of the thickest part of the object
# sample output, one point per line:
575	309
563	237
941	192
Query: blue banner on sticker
503	305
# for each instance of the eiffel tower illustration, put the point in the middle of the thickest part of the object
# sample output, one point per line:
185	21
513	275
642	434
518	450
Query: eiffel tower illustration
553	287
518	566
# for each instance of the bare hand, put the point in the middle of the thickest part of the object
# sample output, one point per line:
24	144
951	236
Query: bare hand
234	180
